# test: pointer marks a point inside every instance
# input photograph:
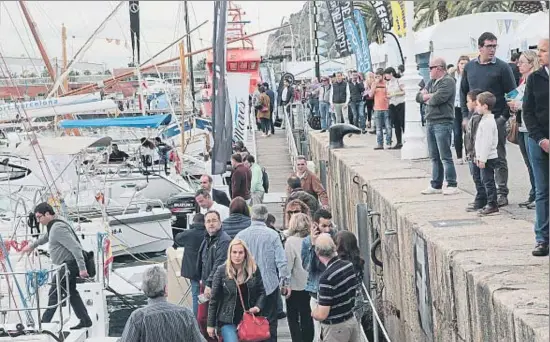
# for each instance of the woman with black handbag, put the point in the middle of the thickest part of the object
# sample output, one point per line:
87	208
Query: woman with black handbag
237	296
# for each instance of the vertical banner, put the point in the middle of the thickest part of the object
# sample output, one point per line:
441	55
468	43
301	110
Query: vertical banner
339	12
398	19
381	8
367	62
355	42
134	29
237	86
222	120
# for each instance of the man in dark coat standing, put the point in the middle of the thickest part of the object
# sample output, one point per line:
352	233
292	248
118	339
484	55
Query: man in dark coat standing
271	95
191	239
535	115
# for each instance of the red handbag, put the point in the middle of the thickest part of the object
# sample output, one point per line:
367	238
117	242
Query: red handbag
252	328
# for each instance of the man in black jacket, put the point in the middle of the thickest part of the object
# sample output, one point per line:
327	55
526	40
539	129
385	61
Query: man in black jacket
535	115
271	95
357	114
213	250
217	196
191	239
488	73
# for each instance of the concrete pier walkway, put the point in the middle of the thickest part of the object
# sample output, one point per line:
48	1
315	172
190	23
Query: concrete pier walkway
447	274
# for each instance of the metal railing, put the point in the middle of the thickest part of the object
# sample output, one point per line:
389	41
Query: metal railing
58	273
289	125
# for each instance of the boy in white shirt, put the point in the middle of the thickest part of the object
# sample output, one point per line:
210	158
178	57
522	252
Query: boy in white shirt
486	157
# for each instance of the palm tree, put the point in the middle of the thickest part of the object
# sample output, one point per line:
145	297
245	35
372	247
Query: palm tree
375	32
87	72
526	7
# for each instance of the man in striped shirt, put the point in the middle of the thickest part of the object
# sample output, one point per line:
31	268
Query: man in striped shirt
160	321
336	295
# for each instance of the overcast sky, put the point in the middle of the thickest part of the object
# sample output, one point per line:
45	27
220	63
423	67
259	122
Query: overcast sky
161	23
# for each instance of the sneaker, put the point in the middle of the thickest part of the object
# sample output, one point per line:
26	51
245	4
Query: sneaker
488	210
372	131
541	249
452	190
431	191
474	207
531	205
459	161
269	134
397	147
379	147
526	203
502	201
364	131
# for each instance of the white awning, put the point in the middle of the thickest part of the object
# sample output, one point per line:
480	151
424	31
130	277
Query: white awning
61	145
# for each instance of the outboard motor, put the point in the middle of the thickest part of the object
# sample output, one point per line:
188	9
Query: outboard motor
33	224
180	205
337	133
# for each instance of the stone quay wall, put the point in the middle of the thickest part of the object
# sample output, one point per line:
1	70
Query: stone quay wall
448	275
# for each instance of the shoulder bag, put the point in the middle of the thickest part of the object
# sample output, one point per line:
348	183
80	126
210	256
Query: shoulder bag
513	133
89	259
252	328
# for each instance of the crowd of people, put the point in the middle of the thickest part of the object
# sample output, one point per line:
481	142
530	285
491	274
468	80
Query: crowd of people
452	105
239	263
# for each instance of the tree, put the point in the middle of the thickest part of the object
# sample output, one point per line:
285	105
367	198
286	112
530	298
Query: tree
108	72
375	32
527	7
87	72
74	73
45	73
32	74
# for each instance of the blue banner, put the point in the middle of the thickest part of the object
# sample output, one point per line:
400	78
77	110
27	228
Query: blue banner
355	42
367	62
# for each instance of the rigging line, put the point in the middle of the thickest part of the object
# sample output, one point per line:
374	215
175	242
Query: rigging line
22	42
80	53
30	135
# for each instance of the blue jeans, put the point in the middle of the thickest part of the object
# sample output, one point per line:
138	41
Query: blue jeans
195	292
324	110
539	163
382	118
439	145
484	179
523	142
314	106
358	110
229	333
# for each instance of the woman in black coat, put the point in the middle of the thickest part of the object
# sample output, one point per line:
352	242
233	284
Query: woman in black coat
225	310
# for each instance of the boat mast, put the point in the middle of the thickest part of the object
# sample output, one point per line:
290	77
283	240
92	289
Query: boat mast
64	54
111	80
190	57
37	39
183	76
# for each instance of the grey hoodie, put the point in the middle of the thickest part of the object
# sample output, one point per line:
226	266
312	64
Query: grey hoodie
63	245
440	107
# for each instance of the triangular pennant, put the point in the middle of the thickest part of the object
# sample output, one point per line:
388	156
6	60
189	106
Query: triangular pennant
507	24
500	26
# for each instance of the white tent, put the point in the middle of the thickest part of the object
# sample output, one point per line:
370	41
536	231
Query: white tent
454	37
531	30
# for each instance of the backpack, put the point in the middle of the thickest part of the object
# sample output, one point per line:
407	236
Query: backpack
265	180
